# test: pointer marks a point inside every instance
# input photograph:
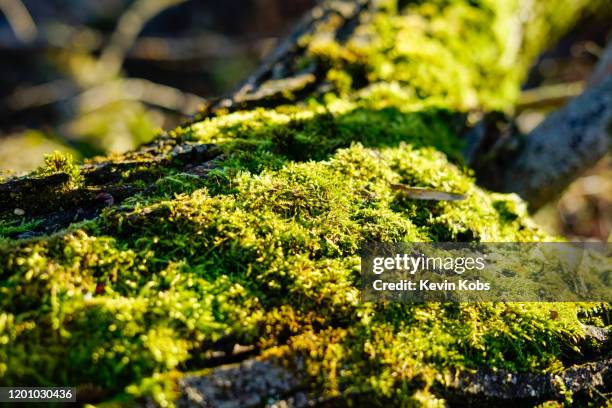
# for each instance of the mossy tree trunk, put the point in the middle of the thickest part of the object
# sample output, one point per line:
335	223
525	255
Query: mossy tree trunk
235	237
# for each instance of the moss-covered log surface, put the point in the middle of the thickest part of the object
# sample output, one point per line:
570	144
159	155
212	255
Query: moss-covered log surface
220	262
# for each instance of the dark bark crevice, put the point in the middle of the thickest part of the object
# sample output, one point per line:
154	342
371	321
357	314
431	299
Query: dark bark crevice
256	382
105	184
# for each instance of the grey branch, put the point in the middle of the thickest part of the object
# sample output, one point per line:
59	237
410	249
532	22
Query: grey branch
567	143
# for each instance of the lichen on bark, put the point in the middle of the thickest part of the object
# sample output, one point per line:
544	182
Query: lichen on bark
243	228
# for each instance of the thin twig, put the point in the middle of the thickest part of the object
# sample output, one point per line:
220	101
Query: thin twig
129	26
108	92
549	95
19	19
141	90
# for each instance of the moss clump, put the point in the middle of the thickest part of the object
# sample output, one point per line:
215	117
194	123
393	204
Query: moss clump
466	54
10	228
58	162
471	54
272	263
263	251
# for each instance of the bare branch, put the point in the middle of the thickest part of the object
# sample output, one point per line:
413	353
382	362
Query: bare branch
138	89
19	19
603	69
141	90
549	95
129	26
560	149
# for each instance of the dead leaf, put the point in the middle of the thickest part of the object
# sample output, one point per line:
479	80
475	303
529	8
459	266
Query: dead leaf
420	193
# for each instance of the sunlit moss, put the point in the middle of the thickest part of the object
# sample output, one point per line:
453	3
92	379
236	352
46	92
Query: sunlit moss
270	262
58	162
264	250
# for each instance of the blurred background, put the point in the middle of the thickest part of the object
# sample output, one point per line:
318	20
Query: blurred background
91	77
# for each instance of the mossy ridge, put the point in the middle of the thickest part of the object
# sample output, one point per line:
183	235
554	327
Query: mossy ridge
271	264
473	54
262	252
377	49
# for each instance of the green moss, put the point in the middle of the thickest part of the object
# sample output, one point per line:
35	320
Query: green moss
272	262
472	54
264	250
10	228
58	162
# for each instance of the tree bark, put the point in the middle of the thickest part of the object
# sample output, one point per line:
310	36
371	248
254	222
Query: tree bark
568	142
540	165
